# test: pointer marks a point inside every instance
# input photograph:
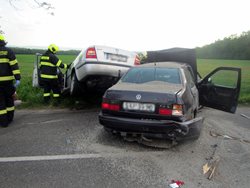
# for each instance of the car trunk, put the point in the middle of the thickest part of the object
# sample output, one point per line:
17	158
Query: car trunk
129	95
114	56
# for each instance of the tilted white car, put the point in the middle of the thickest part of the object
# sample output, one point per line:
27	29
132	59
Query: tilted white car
98	68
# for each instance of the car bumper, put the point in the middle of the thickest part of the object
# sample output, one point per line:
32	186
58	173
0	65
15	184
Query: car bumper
101	68
159	128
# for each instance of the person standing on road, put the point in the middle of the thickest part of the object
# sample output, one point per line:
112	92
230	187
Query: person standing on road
9	71
49	64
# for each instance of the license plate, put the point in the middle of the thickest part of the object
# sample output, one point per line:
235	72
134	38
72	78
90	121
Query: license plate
139	106
115	57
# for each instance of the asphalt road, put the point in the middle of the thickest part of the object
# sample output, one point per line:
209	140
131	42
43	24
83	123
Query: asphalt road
68	148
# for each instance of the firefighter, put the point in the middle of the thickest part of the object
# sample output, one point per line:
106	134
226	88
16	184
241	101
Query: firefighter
9	71
49	64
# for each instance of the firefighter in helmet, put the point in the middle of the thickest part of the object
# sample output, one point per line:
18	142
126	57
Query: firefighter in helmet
49	64
9	71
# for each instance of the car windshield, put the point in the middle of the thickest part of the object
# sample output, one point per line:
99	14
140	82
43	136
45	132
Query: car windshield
149	74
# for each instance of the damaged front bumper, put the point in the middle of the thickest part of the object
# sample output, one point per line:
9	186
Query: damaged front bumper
153	128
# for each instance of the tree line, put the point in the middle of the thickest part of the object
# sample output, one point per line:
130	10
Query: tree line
34	51
232	47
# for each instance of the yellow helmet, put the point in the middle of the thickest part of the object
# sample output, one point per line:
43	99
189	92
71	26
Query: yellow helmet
2	37
53	48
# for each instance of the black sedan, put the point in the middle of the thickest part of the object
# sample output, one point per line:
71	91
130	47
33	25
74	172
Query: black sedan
162	100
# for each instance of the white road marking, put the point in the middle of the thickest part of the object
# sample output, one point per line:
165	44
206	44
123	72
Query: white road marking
75	156
48	157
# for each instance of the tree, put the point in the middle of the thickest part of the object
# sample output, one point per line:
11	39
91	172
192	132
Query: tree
40	4
232	47
48	7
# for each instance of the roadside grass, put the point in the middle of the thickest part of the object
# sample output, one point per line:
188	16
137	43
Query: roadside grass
30	96
33	97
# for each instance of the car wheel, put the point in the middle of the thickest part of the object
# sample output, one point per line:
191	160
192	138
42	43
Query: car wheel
74	85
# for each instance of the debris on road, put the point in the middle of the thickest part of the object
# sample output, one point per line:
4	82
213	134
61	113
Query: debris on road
154	143
176	183
209	168
245	116
215	134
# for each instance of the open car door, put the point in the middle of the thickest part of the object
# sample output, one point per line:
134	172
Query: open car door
220	89
36	76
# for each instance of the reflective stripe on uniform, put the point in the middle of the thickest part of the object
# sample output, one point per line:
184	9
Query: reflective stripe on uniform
4	60
47	64
10	108
13	62
45	58
6	78
48	76
56	95
16	72
3	52
2	112
46	94
58	63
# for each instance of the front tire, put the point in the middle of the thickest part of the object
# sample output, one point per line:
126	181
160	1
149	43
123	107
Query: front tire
74	85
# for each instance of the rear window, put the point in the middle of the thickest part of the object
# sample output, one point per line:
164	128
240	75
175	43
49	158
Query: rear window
149	74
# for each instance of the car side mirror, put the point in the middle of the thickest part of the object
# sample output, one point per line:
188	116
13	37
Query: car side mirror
209	80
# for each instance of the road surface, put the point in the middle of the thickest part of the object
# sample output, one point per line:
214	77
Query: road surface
68	148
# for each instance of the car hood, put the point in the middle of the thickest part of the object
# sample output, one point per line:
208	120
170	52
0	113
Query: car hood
155	87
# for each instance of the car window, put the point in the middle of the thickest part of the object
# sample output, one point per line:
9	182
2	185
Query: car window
149	74
226	78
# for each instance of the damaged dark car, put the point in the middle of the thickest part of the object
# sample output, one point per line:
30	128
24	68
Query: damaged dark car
161	97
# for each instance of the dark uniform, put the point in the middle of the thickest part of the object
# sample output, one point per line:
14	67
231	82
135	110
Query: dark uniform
49	64
9	71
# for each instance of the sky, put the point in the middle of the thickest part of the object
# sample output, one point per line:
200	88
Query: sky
137	25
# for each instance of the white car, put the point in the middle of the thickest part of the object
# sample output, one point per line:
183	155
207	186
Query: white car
98	68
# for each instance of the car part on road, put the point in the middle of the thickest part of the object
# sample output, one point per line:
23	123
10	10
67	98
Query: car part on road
245	116
215	134
176	184
149	142
209	168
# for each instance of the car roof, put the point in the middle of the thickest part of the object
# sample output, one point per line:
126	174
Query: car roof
166	64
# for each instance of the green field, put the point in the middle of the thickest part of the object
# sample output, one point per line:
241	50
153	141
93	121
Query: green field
33	96
26	62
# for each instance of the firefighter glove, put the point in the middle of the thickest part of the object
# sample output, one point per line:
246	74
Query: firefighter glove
17	83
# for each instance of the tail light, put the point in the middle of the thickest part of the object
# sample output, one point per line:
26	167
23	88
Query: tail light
137	60
91	53
112	107
177	110
165	111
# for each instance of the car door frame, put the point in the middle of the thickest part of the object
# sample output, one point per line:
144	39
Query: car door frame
208	92
36	82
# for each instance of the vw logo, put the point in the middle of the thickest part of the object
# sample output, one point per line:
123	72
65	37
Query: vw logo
138	97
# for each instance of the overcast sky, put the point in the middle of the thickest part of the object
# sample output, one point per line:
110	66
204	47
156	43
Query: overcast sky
137	25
